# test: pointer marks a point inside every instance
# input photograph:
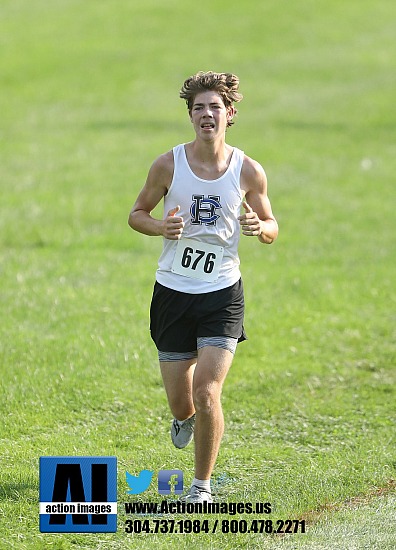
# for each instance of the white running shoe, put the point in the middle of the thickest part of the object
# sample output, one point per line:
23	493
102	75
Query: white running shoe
182	432
198	495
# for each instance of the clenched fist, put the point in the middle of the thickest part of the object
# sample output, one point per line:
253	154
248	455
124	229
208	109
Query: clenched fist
173	225
250	222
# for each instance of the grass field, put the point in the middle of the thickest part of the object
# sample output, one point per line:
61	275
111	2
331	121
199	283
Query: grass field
89	97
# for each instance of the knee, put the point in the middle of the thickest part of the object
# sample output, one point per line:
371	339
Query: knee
206	397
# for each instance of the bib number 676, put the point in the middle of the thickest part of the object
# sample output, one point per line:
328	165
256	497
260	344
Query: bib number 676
189	260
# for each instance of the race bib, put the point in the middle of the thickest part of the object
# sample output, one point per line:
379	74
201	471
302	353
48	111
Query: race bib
198	260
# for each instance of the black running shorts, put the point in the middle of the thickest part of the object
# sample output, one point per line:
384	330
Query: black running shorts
177	319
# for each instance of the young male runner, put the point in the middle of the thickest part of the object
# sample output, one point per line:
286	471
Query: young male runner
196	316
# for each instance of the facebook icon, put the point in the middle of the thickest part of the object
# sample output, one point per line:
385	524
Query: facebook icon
170	482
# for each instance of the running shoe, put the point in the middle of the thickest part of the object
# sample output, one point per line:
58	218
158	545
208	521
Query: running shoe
197	495
182	432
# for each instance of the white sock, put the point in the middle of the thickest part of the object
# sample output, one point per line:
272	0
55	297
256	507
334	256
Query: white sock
202	484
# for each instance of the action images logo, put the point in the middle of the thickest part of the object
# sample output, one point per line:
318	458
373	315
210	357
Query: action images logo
78	494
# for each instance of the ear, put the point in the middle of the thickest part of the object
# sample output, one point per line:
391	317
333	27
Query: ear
230	112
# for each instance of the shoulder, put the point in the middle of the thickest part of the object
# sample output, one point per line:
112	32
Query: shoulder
161	171
164	163
253	177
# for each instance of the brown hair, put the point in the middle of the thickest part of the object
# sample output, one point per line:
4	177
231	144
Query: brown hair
225	84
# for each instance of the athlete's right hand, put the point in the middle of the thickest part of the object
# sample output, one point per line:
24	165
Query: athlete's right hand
173	225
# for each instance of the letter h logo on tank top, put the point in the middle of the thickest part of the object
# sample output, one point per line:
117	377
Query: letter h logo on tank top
203	210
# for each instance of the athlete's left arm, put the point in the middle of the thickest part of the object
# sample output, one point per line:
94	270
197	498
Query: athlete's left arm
258	219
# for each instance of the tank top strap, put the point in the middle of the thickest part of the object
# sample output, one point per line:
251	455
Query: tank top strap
237	161
178	152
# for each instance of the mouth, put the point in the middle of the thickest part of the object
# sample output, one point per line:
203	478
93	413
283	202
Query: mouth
207	125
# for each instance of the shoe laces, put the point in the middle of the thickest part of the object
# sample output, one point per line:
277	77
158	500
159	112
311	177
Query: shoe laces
188	424
198	490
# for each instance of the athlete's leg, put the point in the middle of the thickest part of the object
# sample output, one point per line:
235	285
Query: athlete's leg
209	375
178	380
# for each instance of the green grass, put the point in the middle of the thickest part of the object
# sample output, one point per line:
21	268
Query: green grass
89	98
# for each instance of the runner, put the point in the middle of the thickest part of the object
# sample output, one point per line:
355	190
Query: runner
197	309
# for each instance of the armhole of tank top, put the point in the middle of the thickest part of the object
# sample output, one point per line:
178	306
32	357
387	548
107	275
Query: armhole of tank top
241	158
175	155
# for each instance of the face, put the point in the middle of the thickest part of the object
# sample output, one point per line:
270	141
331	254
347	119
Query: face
209	115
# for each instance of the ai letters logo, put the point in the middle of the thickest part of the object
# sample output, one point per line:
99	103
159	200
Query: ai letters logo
78	494
170	482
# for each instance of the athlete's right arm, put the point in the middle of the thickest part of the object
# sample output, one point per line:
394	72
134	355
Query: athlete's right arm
156	187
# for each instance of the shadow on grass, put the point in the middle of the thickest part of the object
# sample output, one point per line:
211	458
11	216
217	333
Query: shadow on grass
135	124
16	491
315	126
312	126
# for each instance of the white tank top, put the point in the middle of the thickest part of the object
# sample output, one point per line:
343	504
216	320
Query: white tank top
210	210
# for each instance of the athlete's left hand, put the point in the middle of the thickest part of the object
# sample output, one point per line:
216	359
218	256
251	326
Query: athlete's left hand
250	222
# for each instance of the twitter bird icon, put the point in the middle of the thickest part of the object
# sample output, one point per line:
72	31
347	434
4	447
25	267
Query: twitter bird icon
138	484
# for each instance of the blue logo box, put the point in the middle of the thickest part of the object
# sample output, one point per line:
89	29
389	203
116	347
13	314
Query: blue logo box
78	494
170	482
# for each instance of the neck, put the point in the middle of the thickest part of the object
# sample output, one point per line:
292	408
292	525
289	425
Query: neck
208	160
209	151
